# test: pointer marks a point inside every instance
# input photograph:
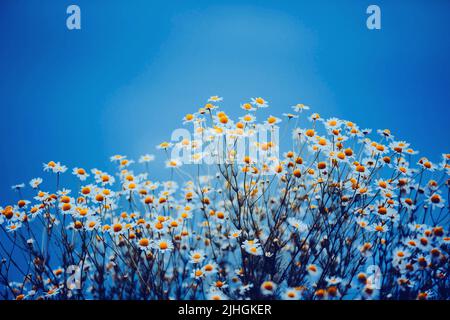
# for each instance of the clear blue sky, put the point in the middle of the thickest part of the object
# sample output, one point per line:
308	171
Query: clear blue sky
123	82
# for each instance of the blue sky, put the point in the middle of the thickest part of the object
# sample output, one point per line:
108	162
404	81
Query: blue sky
123	82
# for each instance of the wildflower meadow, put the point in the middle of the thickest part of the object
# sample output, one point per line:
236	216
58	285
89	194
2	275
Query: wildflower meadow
315	208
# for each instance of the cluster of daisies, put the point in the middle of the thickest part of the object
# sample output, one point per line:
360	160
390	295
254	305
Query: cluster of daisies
336	216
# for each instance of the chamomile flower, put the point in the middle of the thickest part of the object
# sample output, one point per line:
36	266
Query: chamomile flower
52	292
197	274
49	166
219	284
13	226
189	118
146	158
116	158
104	178
290	294
248	107
244	223
332	123
18	186
215	294
252	247
144	244
35	183
290	116
80	173
398	146
313	270
300	107
297	225
210	268
401	254
271	120
196	256
163	245
248	118
55	167
92	224
215	99
314	117
234	234
165	145
260	102
333	281
173	163
386	133
379	228
435	200
408	203
268	288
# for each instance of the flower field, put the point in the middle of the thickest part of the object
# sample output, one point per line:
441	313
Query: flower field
328	210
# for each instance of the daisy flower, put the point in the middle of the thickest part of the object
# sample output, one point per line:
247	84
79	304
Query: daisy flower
426	164
400	254
248	118
125	163
18	186
196	256
290	116
59	168
164	145
13	226
313	270
297	224
408	203
411	151
197	274
234	234
332	123
210	107
435	200
252	247
144	244
243	289
49	166
215	99
215	294
104	179
146	158
268	288
117	228
386	133
52	292
173	163
116	158
210	268
332	281
163	245
92	224
314	117
35	183
260	102
271	120
300	107
398	146
188	118
290	294
379	228
80	173
220	284
248	107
